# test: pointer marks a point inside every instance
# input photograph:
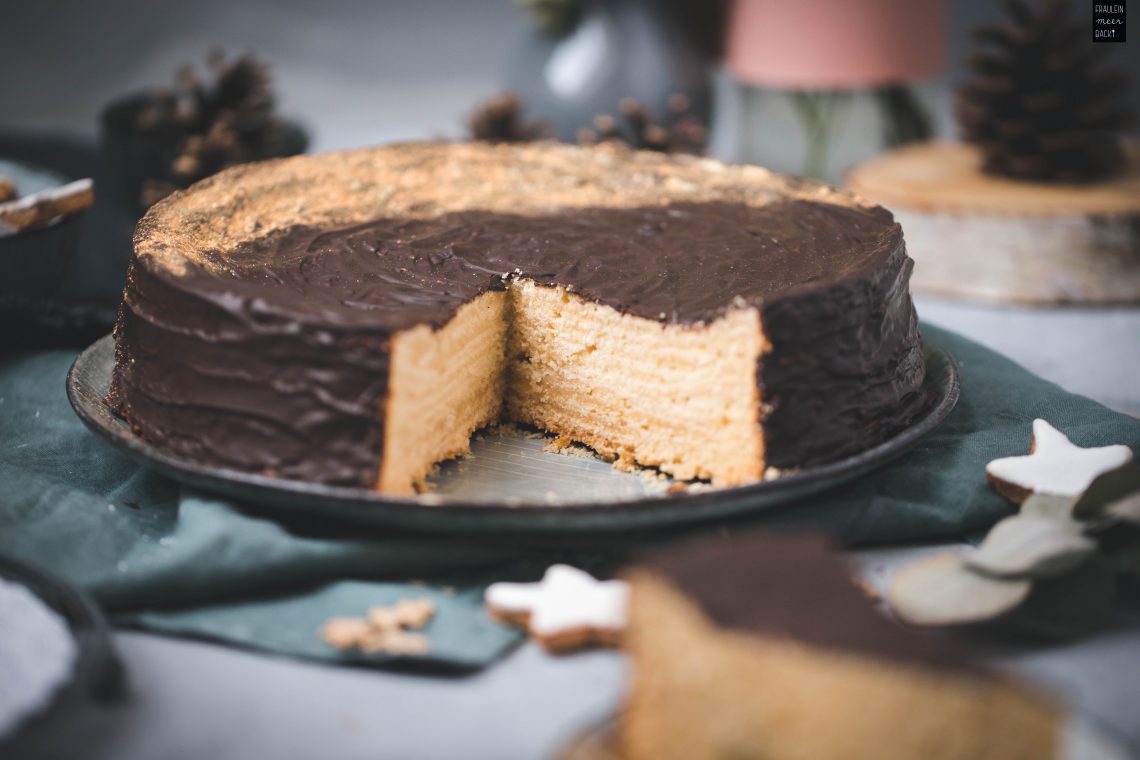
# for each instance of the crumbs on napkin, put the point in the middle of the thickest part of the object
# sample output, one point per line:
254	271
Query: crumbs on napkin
388	630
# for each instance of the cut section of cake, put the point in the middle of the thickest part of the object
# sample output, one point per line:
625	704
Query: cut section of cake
681	399
763	647
352	318
444	385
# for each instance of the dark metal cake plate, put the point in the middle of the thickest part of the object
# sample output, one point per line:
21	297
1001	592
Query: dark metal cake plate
510	482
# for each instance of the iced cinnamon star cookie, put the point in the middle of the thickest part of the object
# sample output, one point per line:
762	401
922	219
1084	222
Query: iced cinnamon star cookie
1054	465
568	609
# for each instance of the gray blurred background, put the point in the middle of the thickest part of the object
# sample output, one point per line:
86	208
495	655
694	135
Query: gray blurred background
355	71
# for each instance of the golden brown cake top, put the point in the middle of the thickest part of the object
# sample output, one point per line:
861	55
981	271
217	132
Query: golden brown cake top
424	180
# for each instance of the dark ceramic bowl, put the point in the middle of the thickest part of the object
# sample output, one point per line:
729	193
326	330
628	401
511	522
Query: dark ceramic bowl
33	263
97	674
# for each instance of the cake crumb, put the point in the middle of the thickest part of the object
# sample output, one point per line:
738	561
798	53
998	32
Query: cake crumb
406	613
511	430
383	629
399	642
625	461
657	482
567	446
345	632
558	444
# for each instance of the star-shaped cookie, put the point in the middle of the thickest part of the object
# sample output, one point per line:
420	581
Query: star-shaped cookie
568	609
1054	465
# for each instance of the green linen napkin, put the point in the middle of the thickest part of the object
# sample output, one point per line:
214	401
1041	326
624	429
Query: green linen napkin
168	558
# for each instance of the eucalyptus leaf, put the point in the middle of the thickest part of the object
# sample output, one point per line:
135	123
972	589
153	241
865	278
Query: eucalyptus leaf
1048	505
1071	605
1111	487
1126	509
941	590
1030	546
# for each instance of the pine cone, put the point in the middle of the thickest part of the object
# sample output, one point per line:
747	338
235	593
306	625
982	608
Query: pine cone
1041	104
500	119
681	133
203	127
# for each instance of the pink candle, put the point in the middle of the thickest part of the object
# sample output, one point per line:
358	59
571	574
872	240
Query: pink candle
835	44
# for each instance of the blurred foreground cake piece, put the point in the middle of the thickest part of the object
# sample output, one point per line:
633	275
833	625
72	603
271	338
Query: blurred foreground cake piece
766	648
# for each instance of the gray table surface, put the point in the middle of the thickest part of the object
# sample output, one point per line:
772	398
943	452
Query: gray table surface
366	72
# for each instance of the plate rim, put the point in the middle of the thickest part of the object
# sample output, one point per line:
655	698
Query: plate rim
263	489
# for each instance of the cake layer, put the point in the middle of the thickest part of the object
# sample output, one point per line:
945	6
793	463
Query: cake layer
339	256
443	386
682	399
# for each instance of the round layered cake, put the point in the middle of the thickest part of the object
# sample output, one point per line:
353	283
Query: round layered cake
352	318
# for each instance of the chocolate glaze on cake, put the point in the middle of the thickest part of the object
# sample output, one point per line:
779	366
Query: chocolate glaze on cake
255	334
795	587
